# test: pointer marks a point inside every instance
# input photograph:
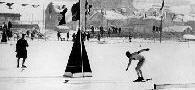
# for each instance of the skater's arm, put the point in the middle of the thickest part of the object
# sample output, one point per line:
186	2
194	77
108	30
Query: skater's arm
147	49
129	63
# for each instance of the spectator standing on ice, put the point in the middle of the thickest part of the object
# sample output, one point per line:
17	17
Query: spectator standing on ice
130	37
28	33
67	36
92	29
119	30
9	32
88	36
140	58
59	36
109	31
9	25
73	37
4	35
98	37
21	50
4	26
32	35
101	31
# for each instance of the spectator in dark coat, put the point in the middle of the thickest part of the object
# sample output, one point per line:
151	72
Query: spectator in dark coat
63	21
21	50
130	37
101	31
98	37
59	36
119	30
109	31
92	29
88	36
73	37
32	36
67	36
9	25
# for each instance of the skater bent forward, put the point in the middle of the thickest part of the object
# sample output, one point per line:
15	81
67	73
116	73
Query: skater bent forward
137	56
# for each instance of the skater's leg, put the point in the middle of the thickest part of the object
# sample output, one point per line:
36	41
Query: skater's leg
24	59
138	68
140	73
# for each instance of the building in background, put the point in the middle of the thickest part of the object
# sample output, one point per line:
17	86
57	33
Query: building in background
12	17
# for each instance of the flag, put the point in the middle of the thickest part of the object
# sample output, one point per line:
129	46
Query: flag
86	4
2	2
35	6
24	4
9	5
162	5
75	11
63	21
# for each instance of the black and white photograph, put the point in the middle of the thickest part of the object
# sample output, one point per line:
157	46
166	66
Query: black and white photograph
97	44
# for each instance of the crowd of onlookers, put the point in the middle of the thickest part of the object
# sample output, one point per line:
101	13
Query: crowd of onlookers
7	33
84	36
92	33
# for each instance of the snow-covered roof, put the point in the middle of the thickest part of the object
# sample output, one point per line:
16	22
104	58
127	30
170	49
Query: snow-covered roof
176	28
153	17
111	15
62	27
188	36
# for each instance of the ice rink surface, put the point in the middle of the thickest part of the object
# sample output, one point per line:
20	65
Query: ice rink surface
169	62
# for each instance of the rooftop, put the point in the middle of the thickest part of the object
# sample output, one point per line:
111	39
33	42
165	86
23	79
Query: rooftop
10	14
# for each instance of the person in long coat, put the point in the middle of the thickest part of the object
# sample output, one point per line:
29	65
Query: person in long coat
21	50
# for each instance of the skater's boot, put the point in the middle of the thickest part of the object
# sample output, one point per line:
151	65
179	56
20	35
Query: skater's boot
139	79
23	66
18	66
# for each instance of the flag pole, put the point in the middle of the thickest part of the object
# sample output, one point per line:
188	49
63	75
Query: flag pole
161	29
161	9
80	14
85	15
81	37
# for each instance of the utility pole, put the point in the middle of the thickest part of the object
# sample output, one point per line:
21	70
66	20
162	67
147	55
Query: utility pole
161	29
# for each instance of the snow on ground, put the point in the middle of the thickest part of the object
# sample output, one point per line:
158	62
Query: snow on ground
168	62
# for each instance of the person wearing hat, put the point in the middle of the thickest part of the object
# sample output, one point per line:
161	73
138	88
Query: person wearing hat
140	58
21	50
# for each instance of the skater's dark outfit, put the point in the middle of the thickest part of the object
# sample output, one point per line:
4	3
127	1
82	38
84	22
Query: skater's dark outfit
137	56
21	50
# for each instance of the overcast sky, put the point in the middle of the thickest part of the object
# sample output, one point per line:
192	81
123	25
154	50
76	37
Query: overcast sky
30	13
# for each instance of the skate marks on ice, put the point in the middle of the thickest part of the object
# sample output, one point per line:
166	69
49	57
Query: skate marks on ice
87	81
168	86
109	84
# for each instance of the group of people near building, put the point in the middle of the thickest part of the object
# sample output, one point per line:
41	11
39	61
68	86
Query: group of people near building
85	36
108	32
60	38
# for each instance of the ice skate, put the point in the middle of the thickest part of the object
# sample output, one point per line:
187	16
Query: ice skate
23	66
